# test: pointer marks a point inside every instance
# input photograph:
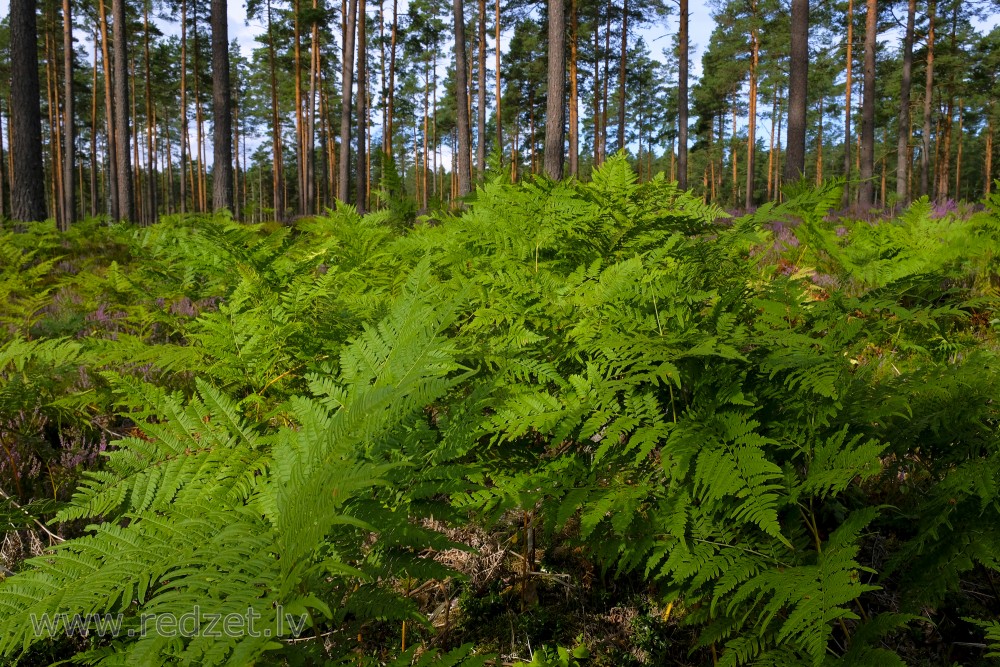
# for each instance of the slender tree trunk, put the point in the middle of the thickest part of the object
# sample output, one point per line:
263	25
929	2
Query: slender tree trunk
798	82
777	151
711	160
514	156
55	127
532	138
472	94
368	146
574	93
155	168
866	198
944	156
3	171
184	109
136	162
345	105
903	140
425	190
202	186
331	150
151	204
462	103
847	103
435	144
27	177
733	154
988	167
958	156
819	145
237	208
606	76
382	78
169	162
623	61
310	134
682	97
126	193
93	137
882	187
69	151
925	153
361	180
496	43
911	150
597	94
392	77
752	129
770	150
554	107
109	112
277	170
222	111
300	130
722	157
481	94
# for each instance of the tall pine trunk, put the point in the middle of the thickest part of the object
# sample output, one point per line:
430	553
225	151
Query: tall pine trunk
866	196
27	196
462	103
126	192
184	111
819	144
200	185
622	62
222	111
847	103
597	92
237	205
361	180
392	77
606	78
925	153
347	82
988	167
752	129
109	113
903	138
277	160
151	207
958	156
55	126
69	149
554	109
496	43
300	130
574	92
481	94
682	97
3	170
93	139
798	81
310	144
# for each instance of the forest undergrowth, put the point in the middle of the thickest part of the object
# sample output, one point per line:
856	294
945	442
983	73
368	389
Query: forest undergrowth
601	424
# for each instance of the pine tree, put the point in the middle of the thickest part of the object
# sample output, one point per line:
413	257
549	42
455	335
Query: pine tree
27	195
222	111
555	94
798	85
